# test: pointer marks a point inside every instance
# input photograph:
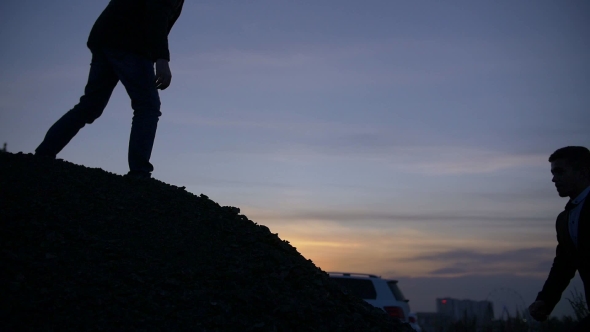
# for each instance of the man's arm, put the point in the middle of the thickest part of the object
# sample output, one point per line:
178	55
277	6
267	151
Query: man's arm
159	14
163	74
562	271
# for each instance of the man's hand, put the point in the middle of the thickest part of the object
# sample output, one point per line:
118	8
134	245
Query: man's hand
163	74
539	311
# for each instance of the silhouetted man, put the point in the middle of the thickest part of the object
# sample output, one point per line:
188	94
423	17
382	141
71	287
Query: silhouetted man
570	167
126	40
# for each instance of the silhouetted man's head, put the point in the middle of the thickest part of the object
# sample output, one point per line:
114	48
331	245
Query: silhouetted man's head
570	167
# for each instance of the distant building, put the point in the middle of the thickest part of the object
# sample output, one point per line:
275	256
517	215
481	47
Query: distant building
3	148
452	312
480	311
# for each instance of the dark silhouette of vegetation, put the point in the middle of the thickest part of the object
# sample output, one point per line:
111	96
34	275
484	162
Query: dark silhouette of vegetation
554	324
464	325
518	323
578	304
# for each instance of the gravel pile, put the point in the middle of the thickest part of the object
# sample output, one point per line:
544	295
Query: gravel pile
83	249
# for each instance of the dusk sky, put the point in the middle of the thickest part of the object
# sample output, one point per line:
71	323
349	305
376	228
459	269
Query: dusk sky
407	139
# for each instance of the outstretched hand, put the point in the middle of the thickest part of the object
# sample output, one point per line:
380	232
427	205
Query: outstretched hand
163	74
539	311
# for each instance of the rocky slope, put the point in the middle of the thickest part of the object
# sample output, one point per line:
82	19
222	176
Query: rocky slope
82	249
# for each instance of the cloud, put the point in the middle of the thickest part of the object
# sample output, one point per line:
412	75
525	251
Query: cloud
468	255
519	261
290	137
347	216
449	271
438	159
269	120
330	66
471	161
388	216
416	248
236	58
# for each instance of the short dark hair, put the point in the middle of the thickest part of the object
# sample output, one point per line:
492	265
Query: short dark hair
577	156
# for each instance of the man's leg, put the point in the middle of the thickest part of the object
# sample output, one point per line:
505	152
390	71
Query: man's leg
137	75
101	83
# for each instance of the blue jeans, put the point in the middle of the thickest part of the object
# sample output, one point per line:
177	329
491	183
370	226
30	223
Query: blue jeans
108	67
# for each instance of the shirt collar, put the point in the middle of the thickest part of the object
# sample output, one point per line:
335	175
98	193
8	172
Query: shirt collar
581	196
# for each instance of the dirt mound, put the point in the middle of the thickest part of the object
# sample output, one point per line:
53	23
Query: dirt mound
83	249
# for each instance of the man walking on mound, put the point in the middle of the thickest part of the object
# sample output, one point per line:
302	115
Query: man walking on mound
127	39
570	167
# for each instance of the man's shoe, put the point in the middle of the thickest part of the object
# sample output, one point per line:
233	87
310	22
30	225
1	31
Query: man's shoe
45	156
138	175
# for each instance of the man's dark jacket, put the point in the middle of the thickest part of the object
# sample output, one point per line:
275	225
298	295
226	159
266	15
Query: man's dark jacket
569	258
138	26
